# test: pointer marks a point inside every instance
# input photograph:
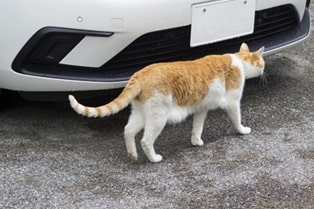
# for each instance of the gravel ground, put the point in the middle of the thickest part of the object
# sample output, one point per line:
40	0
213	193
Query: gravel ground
52	158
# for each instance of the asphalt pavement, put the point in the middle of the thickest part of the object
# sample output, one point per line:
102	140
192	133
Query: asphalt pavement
50	157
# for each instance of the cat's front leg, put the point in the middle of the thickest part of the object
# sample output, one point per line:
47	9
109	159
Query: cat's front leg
198	125
234	113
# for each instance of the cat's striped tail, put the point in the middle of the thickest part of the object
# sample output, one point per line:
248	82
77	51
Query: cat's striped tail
131	90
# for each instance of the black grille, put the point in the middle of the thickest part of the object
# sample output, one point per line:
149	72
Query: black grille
173	44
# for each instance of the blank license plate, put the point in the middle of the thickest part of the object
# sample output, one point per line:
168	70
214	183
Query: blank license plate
220	20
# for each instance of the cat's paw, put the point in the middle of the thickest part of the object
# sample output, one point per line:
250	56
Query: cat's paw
156	158
245	130
133	156
197	142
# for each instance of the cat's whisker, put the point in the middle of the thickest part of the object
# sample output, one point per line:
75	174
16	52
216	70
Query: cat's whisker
264	79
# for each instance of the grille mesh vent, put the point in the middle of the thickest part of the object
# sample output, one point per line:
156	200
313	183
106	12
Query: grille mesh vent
173	44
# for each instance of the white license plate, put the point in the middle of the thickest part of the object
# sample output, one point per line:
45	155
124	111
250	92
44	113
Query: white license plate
220	20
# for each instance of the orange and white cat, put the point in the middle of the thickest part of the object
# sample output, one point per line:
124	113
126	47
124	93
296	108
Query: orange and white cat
169	92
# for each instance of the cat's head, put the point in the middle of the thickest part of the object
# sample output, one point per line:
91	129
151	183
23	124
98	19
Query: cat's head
255	63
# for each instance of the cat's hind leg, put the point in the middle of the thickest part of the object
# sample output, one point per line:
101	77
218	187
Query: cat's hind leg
156	115
198	125
234	113
133	127
151	131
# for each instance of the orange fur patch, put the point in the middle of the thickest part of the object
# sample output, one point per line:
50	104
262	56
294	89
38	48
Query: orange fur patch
85	111
188	81
233	78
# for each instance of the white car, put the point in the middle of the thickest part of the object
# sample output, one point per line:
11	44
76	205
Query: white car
83	45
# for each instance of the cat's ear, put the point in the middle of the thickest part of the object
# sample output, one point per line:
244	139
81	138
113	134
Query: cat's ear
260	51
244	47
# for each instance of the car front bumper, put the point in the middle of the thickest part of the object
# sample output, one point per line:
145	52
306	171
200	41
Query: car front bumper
96	63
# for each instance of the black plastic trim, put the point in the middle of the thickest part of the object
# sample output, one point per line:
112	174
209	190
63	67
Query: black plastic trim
48	46
308	3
